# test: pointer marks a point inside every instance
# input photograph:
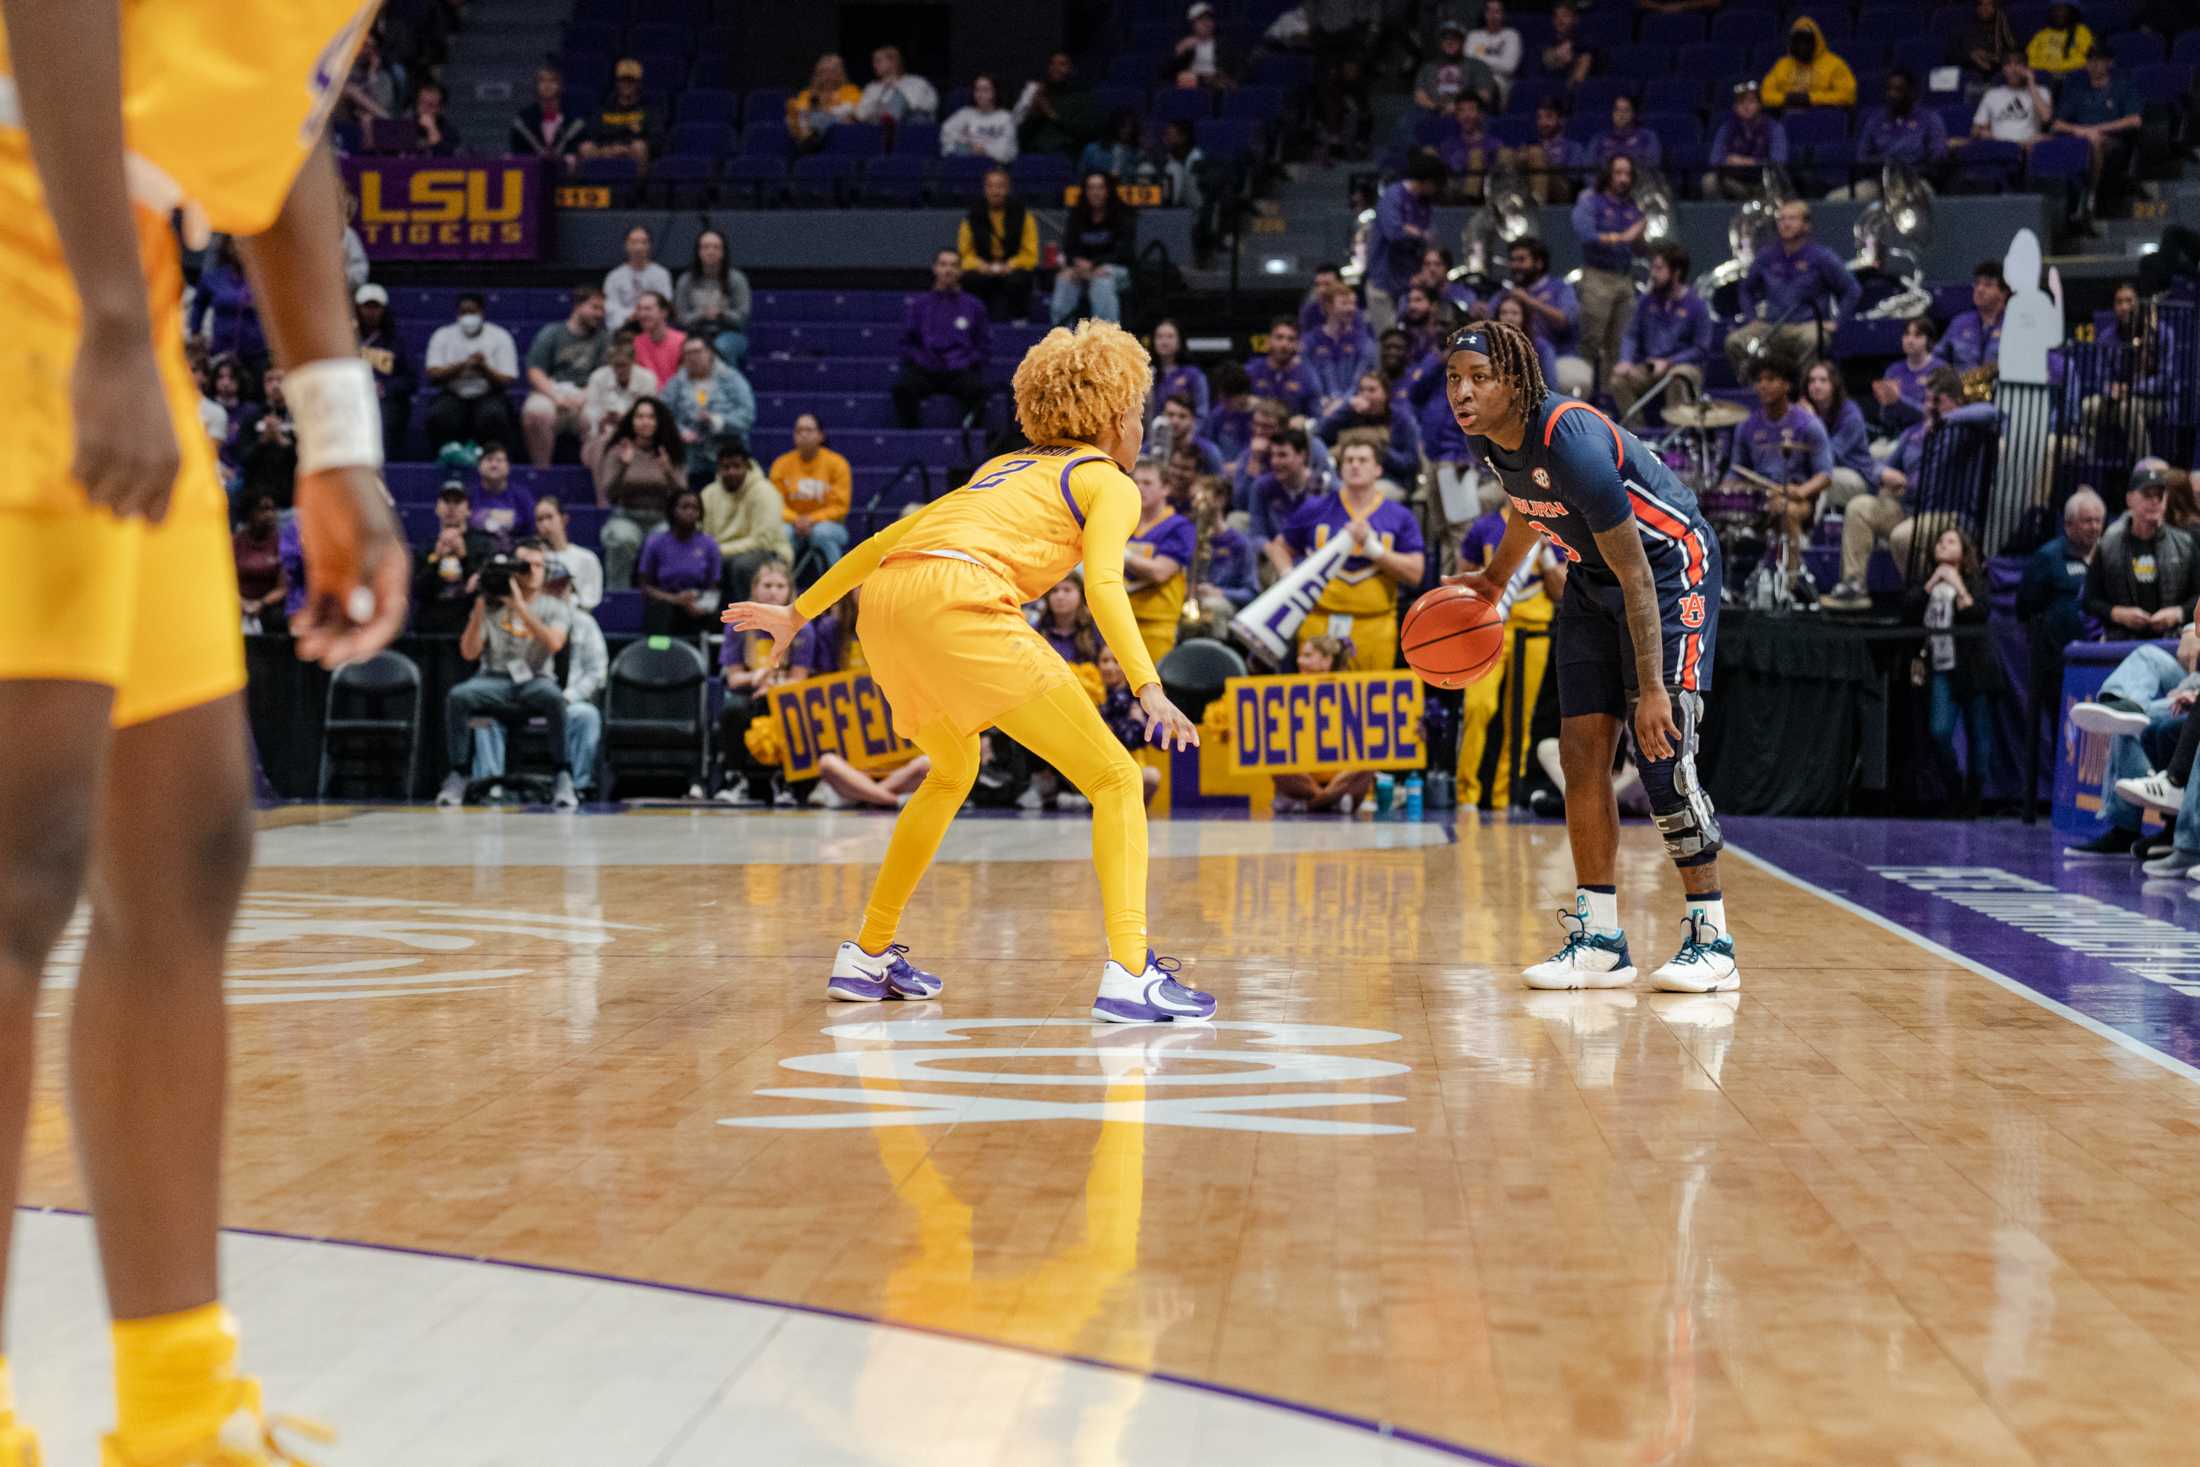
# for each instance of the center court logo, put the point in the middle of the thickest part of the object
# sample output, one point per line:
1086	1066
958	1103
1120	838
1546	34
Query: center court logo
1235	1056
281	949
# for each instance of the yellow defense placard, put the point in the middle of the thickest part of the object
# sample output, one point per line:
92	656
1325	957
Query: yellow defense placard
840	713
1333	721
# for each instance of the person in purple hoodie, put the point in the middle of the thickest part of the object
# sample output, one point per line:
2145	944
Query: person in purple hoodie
1744	142
944	344
1899	132
1340	350
1625	139
1847	438
504	513
1783	441
1898	396
1974	338
1610	225
1793	292
1405	222
1172	375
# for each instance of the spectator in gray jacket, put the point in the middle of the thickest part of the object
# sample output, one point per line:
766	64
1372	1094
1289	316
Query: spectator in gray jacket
587	667
710	401
712	299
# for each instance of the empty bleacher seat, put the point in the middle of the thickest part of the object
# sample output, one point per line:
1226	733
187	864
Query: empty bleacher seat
706	104
2138	48
2063	159
701	139
766	104
1672	30
606	170
855	140
1183	104
832	306
852	410
1040	178
896	180
2162	84
1254	104
819	178
754	180
917	140
1224	139
766	140
1673	94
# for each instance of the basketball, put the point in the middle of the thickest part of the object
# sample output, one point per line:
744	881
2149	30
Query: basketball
1452	637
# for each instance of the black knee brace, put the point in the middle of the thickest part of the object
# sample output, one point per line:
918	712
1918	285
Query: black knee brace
1678	804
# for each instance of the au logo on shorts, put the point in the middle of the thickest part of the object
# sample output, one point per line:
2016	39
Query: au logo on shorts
1692	610
1542	478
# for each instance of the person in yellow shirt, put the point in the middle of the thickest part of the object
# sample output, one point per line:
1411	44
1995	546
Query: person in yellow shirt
2062	45
127	778
818	486
1360	603
1810	74
998	241
1156	560
829	100
944	631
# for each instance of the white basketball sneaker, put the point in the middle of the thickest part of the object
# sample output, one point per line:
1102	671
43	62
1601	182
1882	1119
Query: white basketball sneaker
861	977
1151	997
1705	963
1588	960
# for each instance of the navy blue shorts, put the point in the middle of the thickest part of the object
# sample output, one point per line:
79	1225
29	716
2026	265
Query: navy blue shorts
1596	657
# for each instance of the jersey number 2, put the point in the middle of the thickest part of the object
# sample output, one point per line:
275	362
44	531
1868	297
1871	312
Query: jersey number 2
1000	475
1556	544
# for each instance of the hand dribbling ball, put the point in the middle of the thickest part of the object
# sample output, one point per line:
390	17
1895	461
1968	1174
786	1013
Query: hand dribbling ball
1452	637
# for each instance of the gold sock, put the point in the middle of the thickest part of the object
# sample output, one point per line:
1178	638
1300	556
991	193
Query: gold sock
175	1379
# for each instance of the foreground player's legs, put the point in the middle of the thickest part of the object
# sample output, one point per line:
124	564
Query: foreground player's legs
1682	809
872	967
1595	953
148	1050
1062	728
47	784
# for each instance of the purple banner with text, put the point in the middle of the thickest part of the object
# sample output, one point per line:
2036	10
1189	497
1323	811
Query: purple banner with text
445	209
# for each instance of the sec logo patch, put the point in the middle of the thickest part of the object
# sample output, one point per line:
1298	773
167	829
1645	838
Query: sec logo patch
1542	478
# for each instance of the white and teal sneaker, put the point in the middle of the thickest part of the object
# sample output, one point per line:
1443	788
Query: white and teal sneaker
1705	963
1588	960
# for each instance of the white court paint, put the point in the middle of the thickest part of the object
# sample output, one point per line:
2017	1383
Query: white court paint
792	838
443	1362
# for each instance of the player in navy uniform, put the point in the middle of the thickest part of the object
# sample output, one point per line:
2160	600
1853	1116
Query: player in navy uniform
1633	634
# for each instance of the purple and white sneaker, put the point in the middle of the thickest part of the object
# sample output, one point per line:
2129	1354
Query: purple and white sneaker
861	977
1151	997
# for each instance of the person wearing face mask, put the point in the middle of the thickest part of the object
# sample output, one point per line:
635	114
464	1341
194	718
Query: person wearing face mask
471	361
1809	74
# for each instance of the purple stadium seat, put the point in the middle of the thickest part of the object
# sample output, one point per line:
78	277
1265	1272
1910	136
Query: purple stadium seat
917	140
1183	104
606	170
896	181
1745	28
1292	73
766	140
710	69
701	139
2163	84
1679	132
620	614
766	104
706	104
659	39
1254	104
2058	159
755	179
1224	140
2138	48
961	177
820	178
1674	94
1040	178
2107	17
681	169
854	140
1671	30
2187	50
1513	132
1986	166
1643	62
1593	98
591	36
1719	63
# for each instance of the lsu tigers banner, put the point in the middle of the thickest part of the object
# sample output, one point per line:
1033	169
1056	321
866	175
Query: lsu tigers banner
1333	721
448	209
840	713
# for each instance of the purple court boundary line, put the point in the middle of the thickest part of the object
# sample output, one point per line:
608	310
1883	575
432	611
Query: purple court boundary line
2129	1043
1365	1424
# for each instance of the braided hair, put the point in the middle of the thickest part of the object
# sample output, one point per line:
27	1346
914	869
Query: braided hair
1512	356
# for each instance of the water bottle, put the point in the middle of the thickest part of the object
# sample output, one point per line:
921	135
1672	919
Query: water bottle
1413	796
1383	787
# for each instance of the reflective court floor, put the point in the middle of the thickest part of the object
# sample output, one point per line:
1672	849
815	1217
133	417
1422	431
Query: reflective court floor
545	1149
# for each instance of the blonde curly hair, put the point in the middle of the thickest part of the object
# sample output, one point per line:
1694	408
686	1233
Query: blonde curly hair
1077	384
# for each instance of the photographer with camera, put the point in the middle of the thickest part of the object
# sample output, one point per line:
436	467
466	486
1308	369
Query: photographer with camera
517	631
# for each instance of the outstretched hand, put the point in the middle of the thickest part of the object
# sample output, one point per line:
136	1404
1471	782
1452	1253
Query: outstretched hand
1166	725
780	623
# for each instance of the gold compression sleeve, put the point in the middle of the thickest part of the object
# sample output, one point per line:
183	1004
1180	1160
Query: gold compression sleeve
1111	515
853	569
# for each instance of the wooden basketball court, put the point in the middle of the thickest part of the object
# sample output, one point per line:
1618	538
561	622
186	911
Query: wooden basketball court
1884	1205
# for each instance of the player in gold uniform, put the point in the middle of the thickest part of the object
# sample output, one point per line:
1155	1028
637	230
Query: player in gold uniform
944	629
121	665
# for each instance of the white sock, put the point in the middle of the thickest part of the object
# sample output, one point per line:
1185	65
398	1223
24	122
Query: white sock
1711	912
1603	908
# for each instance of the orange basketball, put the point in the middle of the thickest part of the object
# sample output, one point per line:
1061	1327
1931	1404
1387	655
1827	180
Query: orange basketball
1452	637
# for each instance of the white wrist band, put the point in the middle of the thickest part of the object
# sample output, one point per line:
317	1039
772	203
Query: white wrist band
339	421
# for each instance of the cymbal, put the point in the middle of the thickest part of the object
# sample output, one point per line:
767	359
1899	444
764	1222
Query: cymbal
1708	414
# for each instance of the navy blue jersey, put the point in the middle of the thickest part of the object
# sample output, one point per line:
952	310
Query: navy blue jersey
1578	473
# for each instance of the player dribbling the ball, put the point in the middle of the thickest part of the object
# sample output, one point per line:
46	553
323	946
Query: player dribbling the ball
1633	635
